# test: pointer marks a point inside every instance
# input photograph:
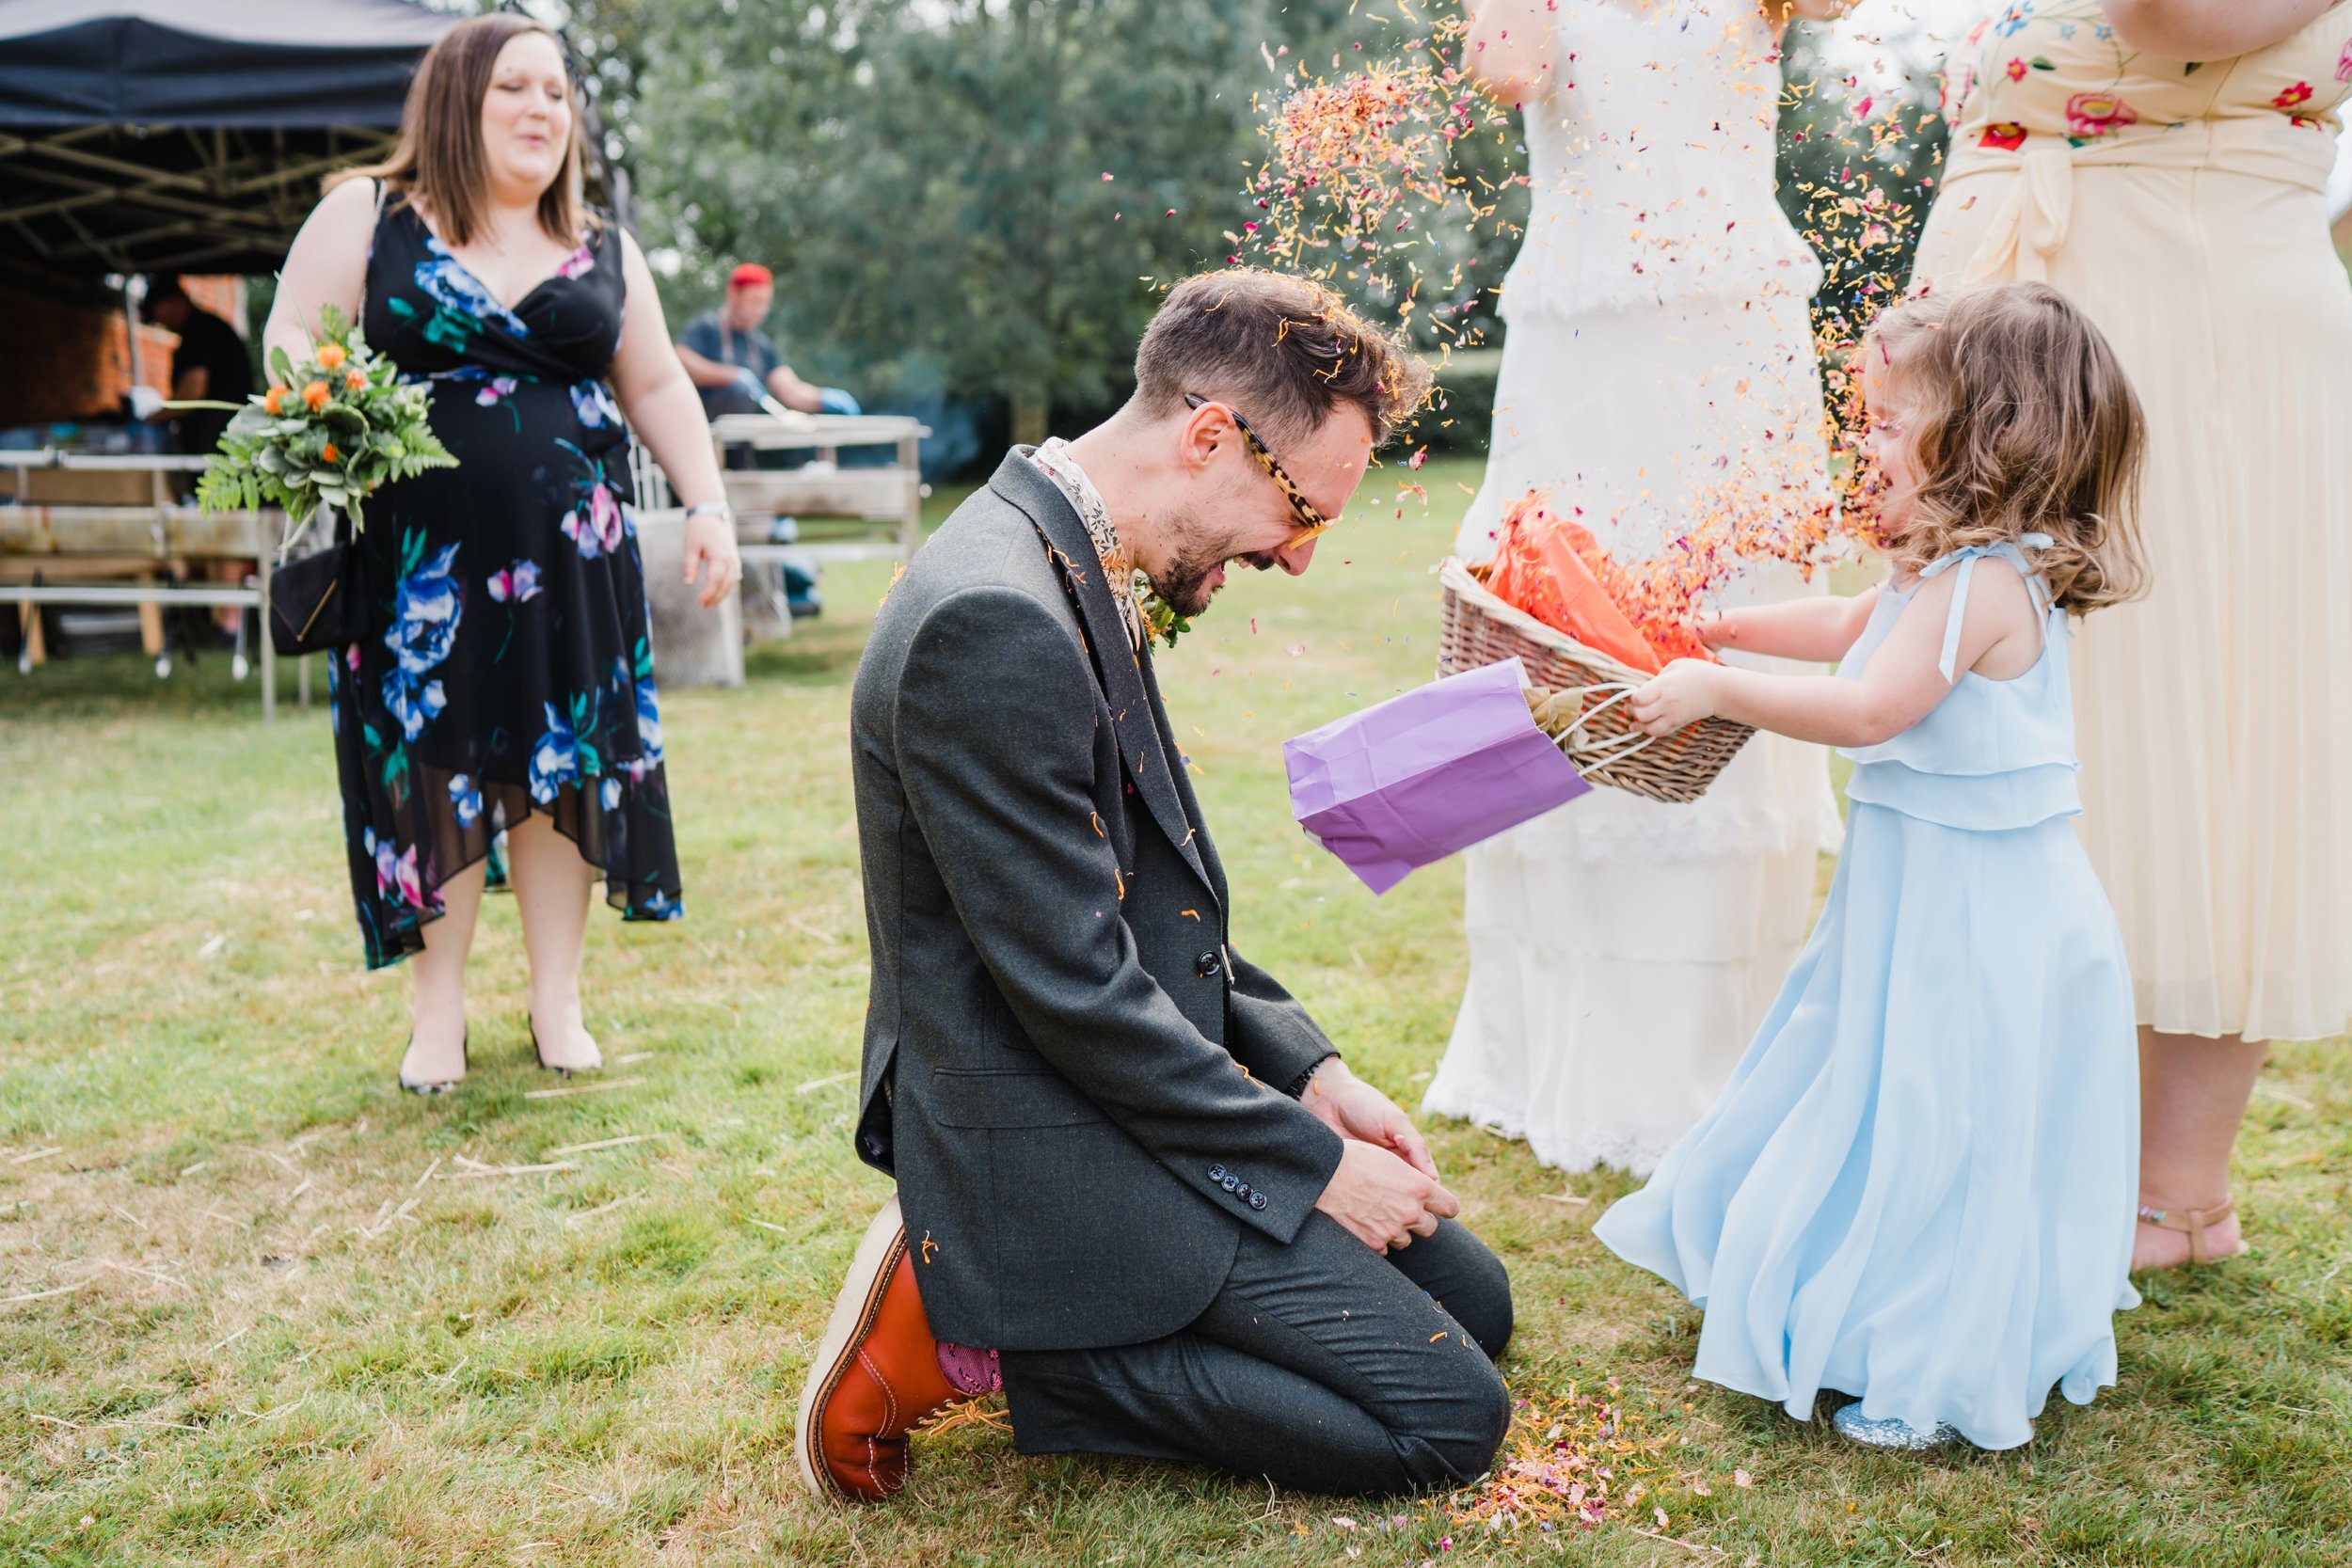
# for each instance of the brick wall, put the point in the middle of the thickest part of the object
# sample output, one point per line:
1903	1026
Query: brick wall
66	362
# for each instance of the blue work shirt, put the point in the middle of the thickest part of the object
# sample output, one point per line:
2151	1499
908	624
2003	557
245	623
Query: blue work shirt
710	337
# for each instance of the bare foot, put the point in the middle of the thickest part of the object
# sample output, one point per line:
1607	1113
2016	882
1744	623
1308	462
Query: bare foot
2154	1246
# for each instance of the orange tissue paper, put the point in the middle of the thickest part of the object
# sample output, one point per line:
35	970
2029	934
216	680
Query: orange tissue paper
1546	566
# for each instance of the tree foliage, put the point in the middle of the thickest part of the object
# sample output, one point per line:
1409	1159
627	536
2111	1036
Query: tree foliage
988	188
1860	163
927	176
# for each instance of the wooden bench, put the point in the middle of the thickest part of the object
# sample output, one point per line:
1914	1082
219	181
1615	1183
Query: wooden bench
102	529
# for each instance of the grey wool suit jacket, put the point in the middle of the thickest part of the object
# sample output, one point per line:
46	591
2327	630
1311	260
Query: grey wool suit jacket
1076	1082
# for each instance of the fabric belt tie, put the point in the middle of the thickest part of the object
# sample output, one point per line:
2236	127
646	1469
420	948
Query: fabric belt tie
2032	222
2037	211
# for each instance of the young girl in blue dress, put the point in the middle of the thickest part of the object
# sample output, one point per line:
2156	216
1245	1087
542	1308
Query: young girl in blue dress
1918	1187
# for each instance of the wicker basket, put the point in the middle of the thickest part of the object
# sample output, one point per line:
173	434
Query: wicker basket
1583	701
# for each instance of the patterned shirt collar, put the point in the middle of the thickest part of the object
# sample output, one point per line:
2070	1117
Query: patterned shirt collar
1053	458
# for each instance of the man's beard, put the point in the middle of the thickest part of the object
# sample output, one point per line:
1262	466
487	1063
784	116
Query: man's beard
1183	585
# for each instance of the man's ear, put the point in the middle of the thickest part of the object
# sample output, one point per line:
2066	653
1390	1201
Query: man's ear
1202	432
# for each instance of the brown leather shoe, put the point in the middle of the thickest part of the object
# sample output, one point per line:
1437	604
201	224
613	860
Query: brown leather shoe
875	1376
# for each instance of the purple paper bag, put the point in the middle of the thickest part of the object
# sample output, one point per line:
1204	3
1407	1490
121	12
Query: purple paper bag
1422	775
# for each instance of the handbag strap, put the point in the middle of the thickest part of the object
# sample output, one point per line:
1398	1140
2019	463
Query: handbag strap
360	317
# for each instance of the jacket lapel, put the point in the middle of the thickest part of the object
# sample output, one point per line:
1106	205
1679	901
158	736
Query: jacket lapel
1188	802
1124	674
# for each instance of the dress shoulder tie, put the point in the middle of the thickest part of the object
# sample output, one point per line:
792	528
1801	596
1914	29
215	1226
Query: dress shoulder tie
1967	559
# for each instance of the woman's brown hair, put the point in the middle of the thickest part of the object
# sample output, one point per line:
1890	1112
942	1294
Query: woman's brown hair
438	161
2024	423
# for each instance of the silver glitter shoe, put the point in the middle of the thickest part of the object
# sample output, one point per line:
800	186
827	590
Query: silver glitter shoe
1897	1436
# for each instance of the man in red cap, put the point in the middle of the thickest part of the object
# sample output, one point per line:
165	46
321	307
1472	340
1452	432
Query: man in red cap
735	366
733	363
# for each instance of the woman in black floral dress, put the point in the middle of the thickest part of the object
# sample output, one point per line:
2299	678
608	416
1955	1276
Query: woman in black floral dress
506	683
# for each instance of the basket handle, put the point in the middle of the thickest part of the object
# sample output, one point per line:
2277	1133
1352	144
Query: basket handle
1599	755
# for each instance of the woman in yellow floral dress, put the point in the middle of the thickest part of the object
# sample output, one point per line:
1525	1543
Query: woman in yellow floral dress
2161	162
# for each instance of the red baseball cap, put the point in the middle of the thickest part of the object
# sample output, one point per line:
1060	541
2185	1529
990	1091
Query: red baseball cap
751	275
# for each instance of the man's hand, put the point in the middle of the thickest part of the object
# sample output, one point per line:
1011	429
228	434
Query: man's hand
1384	1202
1354	1109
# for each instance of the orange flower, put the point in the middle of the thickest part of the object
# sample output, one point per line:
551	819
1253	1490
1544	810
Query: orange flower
330	356
354	378
316	395
328	454
271	400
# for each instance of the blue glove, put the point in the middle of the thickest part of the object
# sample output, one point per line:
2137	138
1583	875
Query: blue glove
832	400
749	382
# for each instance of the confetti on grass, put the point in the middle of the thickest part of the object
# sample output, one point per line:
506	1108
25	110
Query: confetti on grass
1572	1462
1577	1461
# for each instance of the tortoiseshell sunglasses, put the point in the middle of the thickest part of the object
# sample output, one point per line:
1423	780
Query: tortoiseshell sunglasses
1310	522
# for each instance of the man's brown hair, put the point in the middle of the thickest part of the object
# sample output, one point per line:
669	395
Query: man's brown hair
1285	352
438	160
2025	423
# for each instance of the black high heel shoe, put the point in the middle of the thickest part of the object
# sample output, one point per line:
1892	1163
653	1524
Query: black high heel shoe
465	1054
547	1066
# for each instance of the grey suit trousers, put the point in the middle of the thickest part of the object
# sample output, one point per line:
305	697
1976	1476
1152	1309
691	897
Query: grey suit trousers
1322	1366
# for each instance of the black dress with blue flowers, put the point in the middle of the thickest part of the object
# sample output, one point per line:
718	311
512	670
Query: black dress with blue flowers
507	667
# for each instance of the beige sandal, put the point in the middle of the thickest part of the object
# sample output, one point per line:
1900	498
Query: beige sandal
2192	1221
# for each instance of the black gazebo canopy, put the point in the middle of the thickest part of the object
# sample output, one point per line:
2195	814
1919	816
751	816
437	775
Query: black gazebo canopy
189	135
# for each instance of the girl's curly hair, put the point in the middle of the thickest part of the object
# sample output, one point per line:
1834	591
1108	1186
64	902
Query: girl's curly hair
2024	423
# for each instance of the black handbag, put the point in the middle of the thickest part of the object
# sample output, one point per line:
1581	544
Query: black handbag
314	601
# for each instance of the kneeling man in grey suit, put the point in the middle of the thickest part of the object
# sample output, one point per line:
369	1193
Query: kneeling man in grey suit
1139	1189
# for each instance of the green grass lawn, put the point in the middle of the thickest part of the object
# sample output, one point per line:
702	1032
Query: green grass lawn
256	1307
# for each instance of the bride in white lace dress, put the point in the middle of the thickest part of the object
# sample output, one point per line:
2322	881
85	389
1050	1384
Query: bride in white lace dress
1657	351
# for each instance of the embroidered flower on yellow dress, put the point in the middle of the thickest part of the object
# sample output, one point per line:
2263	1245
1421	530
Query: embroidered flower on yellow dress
2293	97
2092	115
2006	134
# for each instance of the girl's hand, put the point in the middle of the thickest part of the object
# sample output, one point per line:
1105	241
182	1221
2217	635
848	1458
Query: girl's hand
1717	631
1679	695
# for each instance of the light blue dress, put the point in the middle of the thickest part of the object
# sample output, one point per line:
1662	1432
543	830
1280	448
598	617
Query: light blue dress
1918	1186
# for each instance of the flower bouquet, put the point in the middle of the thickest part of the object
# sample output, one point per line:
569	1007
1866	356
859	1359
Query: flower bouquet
330	431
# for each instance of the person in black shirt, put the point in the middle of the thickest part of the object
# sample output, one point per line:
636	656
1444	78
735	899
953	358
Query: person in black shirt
211	362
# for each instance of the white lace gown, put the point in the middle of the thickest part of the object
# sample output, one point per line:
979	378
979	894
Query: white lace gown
1622	951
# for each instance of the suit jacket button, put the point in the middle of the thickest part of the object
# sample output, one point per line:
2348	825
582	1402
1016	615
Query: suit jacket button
1217	1173
1257	1200
1229	1182
1208	965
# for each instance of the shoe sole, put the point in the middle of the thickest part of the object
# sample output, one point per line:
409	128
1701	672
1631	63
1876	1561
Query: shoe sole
853	1311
